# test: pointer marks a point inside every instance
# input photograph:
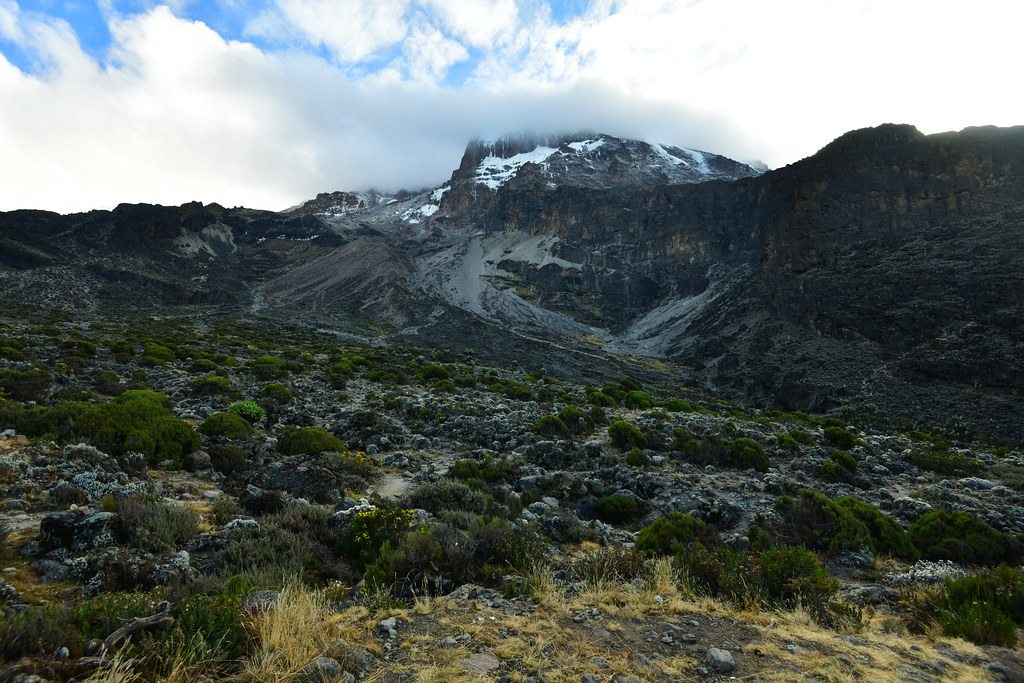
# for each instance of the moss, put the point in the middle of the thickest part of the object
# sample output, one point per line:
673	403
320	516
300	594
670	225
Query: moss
308	441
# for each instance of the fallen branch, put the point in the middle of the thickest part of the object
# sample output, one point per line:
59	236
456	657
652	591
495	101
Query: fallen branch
159	620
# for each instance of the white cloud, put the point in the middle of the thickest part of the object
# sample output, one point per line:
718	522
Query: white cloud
481	23
179	113
352	29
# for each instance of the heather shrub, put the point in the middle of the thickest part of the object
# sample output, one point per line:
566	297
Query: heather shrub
266	368
488	469
154	526
616	509
962	538
598	398
575	419
551	427
154	354
637	458
678	405
887	536
815	521
30	385
986	608
938	458
203	365
673	533
448	494
277	393
225	424
787	442
747	454
211	385
638	400
626	435
308	441
840	437
226	459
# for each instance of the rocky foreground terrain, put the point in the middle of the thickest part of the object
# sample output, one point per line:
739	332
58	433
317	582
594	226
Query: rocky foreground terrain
191	497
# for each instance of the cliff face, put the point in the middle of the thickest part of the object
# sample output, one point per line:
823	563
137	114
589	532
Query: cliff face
859	276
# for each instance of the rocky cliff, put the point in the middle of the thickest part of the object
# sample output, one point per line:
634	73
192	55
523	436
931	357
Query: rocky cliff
883	274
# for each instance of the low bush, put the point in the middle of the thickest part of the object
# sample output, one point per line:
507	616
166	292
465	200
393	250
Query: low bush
154	354
78	347
815	521
448	494
277	393
800	436
840	468
266	368
370	531
638	400
154	526
626	435
963	538
840	437
887	536
489	469
551	427
944	461
787	442
211	385
747	454
308	441
598	398
674	532
31	385
225	424
616	509
575	419
226	459
637	458
678	405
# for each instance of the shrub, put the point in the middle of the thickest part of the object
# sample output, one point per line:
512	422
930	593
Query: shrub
887	536
637	458
340	372
308	441
435	372
248	411
793	576
800	436
225	424
600	399
678	405
371	530
277	393
155	354
638	400
616	509
630	384
265	368
575	419
813	520
448	494
985	608
136	420
834	472
211	385
264	556
963	538
226	459
551	427
673	533
626	435
490	469
840	437
346	462
787	442
78	347
31	385
108	384
202	365
747	454
944	461
154	527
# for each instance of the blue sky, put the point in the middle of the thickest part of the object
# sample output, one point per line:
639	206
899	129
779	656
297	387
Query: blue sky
265	103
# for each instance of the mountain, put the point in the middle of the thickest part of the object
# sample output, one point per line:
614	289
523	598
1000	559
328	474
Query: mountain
884	275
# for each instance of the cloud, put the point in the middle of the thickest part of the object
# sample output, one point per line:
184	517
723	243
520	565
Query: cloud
174	111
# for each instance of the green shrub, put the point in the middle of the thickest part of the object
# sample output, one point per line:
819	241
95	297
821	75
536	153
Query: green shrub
155	354
490	469
793	576
747	454
630	384
815	521
340	372
370	531
616	509
10	353
575	419
887	536
600	399
678	405
347	462
226	459
840	437
940	459
308	441
31	385
108	383
248	411
448	494
787	442
435	372
801	436
277	393
834	472
626	435
551	427
225	424
266	368
845	460
673	533
637	458
211	385
638	400
985	608
137	420
202	365
121	348
265	556
78	347
963	538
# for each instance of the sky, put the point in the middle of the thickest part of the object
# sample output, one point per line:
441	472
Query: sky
265	103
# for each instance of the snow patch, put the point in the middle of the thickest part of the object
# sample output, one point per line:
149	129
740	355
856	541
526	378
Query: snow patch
437	194
586	146
496	171
661	152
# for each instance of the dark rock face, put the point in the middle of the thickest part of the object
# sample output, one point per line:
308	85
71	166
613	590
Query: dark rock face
859	276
